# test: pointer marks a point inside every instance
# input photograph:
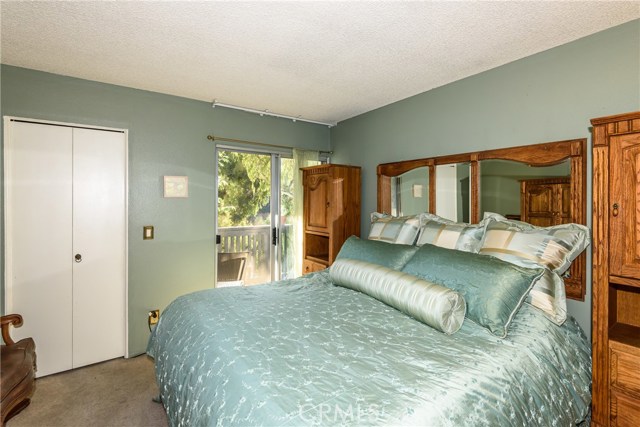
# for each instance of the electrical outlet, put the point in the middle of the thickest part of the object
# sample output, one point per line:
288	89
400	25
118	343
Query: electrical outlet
154	315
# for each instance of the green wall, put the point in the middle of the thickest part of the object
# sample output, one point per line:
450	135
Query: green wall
409	204
549	96
546	97
167	136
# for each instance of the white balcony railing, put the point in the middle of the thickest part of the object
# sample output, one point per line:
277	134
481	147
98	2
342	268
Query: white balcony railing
256	240
252	239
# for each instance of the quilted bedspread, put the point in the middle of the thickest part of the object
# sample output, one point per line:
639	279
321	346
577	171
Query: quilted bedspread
307	352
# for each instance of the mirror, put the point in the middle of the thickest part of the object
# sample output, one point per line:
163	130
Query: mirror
453	193
543	184
522	192
410	192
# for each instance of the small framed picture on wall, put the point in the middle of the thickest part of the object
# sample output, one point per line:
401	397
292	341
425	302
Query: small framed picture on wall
176	186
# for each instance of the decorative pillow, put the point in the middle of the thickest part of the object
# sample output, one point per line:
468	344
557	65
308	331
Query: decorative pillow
549	295
553	248
487	215
437	306
375	252
426	216
497	217
493	289
391	229
451	235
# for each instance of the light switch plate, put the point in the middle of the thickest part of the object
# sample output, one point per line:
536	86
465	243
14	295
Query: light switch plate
147	232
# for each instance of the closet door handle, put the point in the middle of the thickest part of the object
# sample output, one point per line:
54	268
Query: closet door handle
615	209
78	258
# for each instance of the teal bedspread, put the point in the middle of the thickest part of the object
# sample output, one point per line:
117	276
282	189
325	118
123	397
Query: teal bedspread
307	352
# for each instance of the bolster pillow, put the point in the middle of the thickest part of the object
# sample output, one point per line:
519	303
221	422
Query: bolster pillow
439	307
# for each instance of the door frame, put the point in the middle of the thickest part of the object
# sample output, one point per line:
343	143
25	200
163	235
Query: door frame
7	217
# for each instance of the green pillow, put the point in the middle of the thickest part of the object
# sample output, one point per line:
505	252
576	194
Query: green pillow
390	255
493	289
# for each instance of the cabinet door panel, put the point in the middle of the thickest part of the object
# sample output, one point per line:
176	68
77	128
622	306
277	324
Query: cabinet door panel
540	199
316	201
563	207
624	209
538	205
625	410
624	370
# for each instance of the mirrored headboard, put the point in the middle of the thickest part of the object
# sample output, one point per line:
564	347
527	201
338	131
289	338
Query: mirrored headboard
543	184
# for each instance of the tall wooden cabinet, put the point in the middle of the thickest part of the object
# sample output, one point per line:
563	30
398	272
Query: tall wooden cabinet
616	270
331	212
546	202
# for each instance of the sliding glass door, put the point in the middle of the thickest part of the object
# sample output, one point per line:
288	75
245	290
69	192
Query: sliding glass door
286	249
255	199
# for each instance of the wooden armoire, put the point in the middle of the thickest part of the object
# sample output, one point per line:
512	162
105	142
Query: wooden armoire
616	270
331	212
545	202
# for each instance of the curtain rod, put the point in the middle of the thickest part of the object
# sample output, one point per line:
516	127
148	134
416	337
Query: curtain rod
215	104
262	144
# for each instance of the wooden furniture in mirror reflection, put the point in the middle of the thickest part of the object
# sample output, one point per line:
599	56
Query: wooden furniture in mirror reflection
536	155
545	202
331	212
616	270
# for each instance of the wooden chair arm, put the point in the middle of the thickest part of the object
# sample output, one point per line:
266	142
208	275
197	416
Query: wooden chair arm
5	321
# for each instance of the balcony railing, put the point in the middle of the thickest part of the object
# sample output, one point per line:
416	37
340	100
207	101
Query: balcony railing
256	240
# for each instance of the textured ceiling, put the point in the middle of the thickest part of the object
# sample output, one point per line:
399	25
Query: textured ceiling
325	61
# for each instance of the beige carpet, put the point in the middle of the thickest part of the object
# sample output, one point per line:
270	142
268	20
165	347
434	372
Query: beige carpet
113	393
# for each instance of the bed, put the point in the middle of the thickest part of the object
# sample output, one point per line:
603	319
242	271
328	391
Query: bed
308	352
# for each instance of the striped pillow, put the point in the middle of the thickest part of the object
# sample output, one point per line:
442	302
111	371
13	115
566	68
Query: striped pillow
391	229
451	235
549	295
434	305
550	247
553	248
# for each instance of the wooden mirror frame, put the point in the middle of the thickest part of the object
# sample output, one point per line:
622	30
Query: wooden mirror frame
546	154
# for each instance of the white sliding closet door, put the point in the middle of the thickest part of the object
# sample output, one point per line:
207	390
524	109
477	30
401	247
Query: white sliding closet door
99	239
66	241
38	239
